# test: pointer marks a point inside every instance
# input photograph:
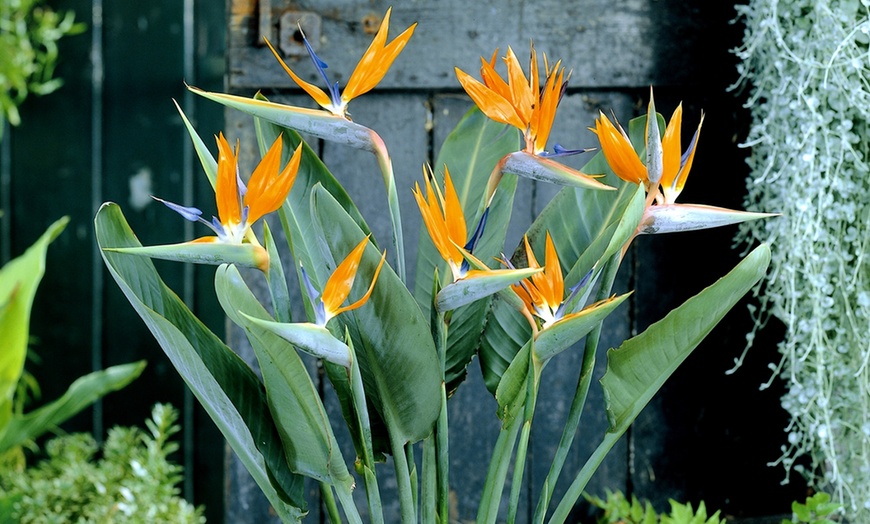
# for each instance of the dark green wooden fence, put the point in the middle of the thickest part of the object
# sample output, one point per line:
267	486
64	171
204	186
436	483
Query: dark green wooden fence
113	126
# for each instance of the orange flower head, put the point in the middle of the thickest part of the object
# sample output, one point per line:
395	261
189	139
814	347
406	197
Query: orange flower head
665	165
239	206
542	293
520	101
442	214
370	70
338	286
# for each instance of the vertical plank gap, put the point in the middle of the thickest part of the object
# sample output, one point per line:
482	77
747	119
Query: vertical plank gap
97	75
5	193
189	292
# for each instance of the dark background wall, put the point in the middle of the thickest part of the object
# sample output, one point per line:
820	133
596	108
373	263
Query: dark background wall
707	435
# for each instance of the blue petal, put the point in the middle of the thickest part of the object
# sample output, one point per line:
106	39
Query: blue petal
321	68
190	213
558	151
313	296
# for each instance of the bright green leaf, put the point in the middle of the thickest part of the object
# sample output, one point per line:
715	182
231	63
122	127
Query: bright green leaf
638	368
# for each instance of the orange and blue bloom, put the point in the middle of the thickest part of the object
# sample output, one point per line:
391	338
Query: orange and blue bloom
543	293
519	101
369	71
442	214
666	166
240	206
328	304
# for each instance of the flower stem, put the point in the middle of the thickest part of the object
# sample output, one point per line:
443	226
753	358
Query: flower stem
329	502
359	404
379	148
579	401
534	380
495	476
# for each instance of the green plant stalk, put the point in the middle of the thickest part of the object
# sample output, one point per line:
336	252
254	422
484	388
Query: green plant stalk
329	501
534	381
429	486
403	477
495	476
440	326
380	151
443	459
590	350
575	490
359	404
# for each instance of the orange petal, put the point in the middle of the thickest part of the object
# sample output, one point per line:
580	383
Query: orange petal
671	149
453	214
313	91
226	186
267	188
674	189
522	97
493	104
619	152
365	297
338	286
376	61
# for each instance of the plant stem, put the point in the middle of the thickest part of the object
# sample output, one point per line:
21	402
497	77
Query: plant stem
386	165
495	476
533	381
429	487
582	478
359	404
403	478
441	429
580	393
346	499
329	502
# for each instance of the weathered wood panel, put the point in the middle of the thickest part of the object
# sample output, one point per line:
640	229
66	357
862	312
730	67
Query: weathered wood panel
617	43
616	50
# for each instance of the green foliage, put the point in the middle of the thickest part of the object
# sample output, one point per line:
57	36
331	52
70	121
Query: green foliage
806	64
815	510
130	479
28	52
19	279
617	509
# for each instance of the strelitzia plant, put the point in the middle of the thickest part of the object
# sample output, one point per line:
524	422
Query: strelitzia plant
397	352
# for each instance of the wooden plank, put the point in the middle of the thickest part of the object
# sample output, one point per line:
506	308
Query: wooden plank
607	43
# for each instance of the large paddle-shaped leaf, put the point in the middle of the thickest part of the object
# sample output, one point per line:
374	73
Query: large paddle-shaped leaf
303	424
391	338
638	368
226	387
470	152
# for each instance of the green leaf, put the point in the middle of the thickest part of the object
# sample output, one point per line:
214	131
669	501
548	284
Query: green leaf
302	422
638	368
470	152
83	392
226	387
19	279
391	338
209	164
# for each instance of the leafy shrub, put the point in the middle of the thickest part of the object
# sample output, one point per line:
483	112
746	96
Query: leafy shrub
129	480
